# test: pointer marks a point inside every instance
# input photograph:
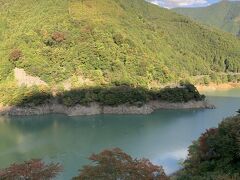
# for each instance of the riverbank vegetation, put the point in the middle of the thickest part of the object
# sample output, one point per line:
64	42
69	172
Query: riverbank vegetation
216	78
108	95
216	154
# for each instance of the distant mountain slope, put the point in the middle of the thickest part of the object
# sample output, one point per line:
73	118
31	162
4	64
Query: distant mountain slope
108	41
224	15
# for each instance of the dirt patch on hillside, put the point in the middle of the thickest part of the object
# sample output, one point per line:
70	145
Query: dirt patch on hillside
23	79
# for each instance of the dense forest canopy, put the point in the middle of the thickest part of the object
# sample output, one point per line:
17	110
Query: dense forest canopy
109	42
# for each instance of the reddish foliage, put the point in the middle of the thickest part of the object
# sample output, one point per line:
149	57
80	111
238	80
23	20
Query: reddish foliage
15	55
115	164
58	36
32	170
203	144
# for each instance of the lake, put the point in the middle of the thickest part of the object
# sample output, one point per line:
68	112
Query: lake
163	136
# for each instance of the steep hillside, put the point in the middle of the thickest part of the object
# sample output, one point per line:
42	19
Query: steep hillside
224	15
72	43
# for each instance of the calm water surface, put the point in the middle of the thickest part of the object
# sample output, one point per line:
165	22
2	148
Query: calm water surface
163	136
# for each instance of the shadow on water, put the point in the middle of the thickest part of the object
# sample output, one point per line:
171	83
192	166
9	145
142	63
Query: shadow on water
162	136
161	117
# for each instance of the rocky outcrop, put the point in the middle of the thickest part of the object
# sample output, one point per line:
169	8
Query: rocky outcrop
95	108
23	79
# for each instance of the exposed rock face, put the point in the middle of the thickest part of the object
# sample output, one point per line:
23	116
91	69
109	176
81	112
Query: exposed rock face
24	79
95	108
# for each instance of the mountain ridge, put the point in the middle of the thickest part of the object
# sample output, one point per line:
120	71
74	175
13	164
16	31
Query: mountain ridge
224	15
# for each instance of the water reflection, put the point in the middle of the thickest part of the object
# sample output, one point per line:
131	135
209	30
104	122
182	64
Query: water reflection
171	161
163	136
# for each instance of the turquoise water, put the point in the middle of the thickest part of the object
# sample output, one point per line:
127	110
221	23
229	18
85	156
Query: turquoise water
163	136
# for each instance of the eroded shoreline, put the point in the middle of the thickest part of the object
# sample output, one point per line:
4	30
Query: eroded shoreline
96	108
217	87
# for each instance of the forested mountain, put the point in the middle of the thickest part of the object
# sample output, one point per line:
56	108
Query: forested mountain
224	15
102	42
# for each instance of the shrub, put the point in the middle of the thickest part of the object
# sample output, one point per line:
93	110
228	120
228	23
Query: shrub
118	39
115	164
48	42
184	93
215	155
15	55
33	169
58	37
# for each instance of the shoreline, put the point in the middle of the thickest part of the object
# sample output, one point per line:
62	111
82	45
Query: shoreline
217	87
96	108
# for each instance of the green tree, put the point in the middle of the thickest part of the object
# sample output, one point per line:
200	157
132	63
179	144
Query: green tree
216	154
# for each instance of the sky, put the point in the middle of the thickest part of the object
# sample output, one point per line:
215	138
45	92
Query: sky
183	3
